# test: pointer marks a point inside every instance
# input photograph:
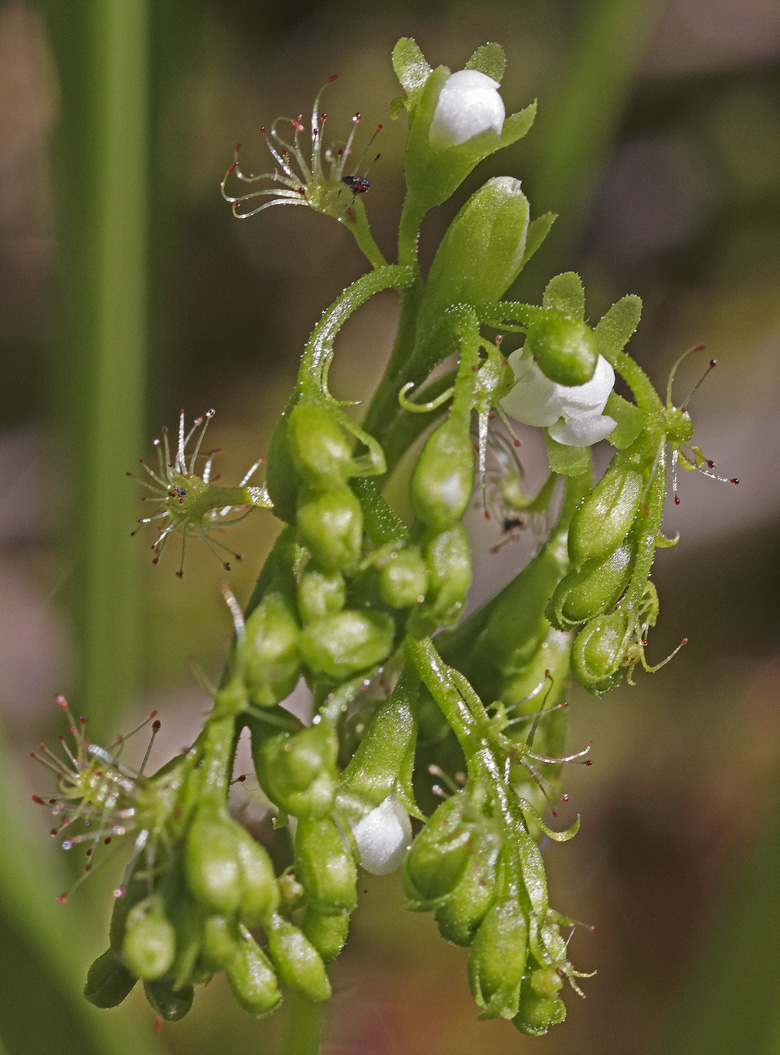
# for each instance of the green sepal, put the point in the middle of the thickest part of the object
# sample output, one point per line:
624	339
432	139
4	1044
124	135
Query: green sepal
460	915
327	933
330	524
616	327
210	860
592	589
281	478
440	853
564	293
268	650
383	764
410	67
558	837
346	642
568	461
489	59
252	978
297	962
604	517
443	479
325	866
537	1013
169	1001
497	959
630	421
599	650
538	230
149	943
108	981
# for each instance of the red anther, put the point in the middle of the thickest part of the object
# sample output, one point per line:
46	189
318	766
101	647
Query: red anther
491	415
263	131
54	833
232	167
226	566
554	813
89	852
486	514
357	117
158	1025
379	129
564	703
61	700
332	78
474	369
241	779
239	556
684	641
180	573
564	798
156	725
62	898
699	348
37	798
713	363
644	642
517	443
41	747
499	338
676	501
107	840
734	480
589	763
302	191
592	927
710	463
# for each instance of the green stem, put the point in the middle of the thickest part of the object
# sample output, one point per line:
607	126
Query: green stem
304	1019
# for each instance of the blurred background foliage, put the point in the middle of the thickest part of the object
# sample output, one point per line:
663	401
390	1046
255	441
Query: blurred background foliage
127	290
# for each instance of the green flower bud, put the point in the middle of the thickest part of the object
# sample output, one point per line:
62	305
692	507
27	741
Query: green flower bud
403	580
461	914
328	934
325	866
169	1001
592	589
108	981
439	855
598	652
272	661
320	451
330	524
220	942
252	978
259	889
564	349
604	517
497	960
298	772
537	1013
212	870
346	642
299	964
546	982
149	943
320	592
448	556
443	479
482	252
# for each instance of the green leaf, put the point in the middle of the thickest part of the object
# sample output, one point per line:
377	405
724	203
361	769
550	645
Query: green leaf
568	461
538	230
617	326
565	293
410	66
490	60
630	421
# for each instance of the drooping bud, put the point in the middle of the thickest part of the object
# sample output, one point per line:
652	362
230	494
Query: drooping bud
565	349
598	652
330	524
299	964
252	978
327	933
259	889
324	865
321	453
320	592
149	943
270	654
443	478
461	914
604	517
448	556
108	981
592	589
440	853
346	642
497	959
212	870
297	772
403	579
538	1012
220	942
171	1002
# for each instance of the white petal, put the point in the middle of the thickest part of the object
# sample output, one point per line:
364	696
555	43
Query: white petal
383	837
534	398
574	399
582	431
468	104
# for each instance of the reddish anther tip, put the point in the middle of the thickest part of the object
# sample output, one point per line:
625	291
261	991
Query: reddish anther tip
555	813
263	131
564	703
232	168
699	348
684	641
517	443
676	500
486	514
710	463
333	77
564	798
713	363
734	480
62	898
589	763
38	799
156	726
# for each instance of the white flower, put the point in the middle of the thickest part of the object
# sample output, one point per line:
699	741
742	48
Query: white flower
468	104
383	836
572	414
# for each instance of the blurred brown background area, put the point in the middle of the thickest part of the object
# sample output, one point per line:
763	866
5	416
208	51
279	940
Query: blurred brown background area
670	189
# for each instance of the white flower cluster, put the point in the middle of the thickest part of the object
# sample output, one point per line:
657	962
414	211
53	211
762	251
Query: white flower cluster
572	414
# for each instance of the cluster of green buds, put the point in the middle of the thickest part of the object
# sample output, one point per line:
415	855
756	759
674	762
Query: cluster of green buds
367	603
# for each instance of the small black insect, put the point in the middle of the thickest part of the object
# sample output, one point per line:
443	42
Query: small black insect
357	184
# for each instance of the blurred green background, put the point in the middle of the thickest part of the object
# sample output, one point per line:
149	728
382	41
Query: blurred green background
127	291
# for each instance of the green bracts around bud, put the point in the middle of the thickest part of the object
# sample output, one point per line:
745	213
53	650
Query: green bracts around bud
149	943
448	557
403	579
320	452
271	660
564	349
482	252
252	978
346	642
439	855
591	590
599	651
169	1001
320	592
460	916
325	866
497	960
330	525
443	478
297	962
604	517
298	773
328	934
108	981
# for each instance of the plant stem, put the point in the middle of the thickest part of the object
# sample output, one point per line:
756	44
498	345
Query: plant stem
303	1026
